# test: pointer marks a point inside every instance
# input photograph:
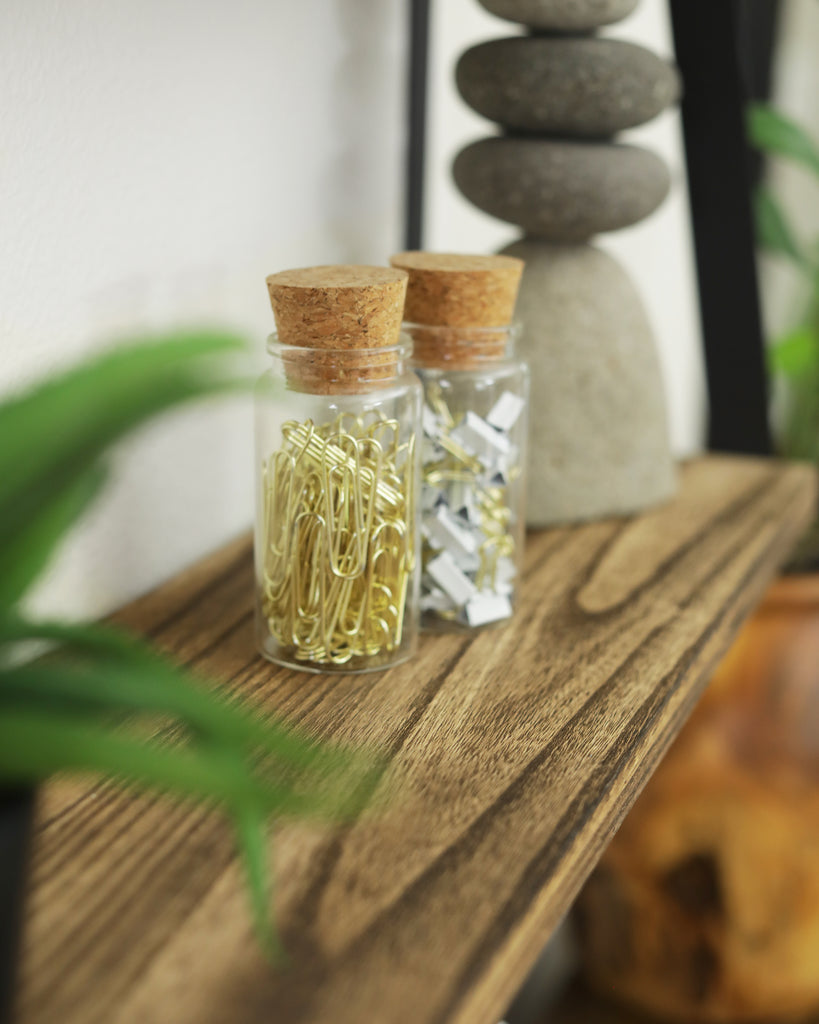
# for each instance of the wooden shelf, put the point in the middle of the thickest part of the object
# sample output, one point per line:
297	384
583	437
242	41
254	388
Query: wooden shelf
514	757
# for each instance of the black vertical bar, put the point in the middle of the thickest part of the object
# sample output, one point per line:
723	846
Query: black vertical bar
759	34
16	816
416	121
706	37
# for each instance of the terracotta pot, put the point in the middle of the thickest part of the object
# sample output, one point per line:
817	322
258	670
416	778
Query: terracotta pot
706	905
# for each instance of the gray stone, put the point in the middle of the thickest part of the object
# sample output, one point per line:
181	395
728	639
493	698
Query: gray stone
579	87
561	191
599	436
562	15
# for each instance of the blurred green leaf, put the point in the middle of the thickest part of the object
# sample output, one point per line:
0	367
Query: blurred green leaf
59	429
251	839
121	673
776	134
23	559
38	741
795	354
103	702
55	716
772	228
800	437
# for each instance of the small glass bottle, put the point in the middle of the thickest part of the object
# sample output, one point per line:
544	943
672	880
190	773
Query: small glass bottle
337	422
475	422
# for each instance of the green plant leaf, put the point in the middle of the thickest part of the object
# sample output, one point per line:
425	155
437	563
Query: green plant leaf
801	430
38	740
55	715
796	354
116	672
22	560
251	839
772	228
103	702
59	429
776	134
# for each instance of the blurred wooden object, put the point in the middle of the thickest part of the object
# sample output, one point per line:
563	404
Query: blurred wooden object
578	1005
706	905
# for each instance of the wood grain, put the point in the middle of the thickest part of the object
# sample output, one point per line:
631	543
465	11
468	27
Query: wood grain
514	755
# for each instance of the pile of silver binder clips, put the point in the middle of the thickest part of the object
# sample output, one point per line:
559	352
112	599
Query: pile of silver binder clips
468	467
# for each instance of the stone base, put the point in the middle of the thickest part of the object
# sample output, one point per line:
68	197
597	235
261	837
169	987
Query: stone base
599	432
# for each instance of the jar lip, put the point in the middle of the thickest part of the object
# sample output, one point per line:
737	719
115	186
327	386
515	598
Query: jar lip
403	350
512	329
467	348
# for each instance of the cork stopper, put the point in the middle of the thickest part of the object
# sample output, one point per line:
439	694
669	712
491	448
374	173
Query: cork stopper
466	302
452	290
341	316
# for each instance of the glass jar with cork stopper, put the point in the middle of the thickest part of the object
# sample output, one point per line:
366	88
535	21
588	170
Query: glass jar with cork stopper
337	421
459	314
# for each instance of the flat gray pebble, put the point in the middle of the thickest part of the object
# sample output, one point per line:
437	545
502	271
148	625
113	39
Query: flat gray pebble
561	191
562	15
577	87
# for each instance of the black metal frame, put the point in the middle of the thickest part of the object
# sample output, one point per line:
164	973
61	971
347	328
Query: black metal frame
708	41
16	816
759	22
416	121
724	52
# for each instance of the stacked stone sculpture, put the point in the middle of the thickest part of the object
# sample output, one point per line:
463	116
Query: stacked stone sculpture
599	442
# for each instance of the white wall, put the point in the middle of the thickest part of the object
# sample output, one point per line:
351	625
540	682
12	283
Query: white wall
657	252
158	159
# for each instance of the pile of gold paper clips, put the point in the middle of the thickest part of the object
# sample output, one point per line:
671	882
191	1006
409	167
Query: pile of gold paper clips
338	538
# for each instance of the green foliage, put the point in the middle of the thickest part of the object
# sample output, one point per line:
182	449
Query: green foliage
796	354
794	357
774	233
33	540
102	702
57	433
777	135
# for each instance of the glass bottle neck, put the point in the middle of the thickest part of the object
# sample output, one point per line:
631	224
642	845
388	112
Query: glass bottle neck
458	348
339	370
